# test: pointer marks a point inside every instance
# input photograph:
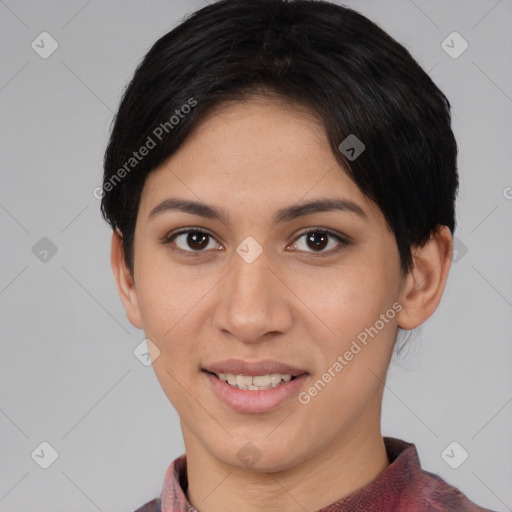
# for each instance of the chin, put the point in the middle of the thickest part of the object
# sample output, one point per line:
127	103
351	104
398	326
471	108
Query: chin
259	455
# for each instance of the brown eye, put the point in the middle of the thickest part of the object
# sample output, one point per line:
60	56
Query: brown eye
197	240
192	240
317	240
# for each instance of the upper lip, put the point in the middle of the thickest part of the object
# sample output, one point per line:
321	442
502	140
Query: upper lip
252	368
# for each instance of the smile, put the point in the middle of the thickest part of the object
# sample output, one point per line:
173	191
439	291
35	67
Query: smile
255	382
254	393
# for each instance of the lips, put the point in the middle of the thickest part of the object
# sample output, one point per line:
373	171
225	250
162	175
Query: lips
254	368
250	399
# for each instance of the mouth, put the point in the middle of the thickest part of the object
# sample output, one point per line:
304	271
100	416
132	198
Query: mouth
254	387
254	382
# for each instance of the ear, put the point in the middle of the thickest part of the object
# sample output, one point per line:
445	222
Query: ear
424	285
124	281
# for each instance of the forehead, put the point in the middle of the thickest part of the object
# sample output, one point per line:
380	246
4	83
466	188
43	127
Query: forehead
255	154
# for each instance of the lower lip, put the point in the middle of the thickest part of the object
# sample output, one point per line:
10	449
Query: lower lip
266	400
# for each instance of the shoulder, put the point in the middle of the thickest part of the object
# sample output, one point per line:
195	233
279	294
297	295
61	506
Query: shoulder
421	490
437	495
150	506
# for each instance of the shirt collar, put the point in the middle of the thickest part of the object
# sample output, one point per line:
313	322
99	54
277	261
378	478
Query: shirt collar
382	494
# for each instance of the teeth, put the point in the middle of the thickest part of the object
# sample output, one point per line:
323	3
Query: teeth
261	380
243	380
275	379
254	383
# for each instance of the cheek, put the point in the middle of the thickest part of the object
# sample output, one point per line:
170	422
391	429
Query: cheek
351	369
169	307
167	296
355	306
349	298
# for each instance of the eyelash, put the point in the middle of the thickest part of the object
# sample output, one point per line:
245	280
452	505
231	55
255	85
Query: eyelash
343	241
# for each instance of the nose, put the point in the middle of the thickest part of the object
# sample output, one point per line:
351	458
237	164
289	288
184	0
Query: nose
253	302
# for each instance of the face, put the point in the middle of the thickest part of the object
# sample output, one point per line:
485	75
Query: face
234	274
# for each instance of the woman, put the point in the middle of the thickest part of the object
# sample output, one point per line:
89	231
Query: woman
281	181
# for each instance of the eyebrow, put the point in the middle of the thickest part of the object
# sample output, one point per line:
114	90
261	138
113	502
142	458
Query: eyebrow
282	215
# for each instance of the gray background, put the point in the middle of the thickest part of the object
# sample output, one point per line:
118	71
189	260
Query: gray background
68	373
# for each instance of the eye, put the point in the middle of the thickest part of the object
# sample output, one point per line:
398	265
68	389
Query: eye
317	241
191	240
320	239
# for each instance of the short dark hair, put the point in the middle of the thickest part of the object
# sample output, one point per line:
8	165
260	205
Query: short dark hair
350	73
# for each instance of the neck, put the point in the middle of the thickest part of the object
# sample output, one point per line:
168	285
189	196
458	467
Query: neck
333	473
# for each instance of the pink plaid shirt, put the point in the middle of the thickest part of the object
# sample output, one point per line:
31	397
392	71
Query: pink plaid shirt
402	487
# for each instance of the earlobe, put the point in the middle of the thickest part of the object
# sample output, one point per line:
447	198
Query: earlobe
425	283
124	281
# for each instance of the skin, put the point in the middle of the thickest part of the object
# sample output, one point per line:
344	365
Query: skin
290	304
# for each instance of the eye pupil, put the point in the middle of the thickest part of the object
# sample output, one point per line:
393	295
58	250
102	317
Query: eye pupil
197	240
318	239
